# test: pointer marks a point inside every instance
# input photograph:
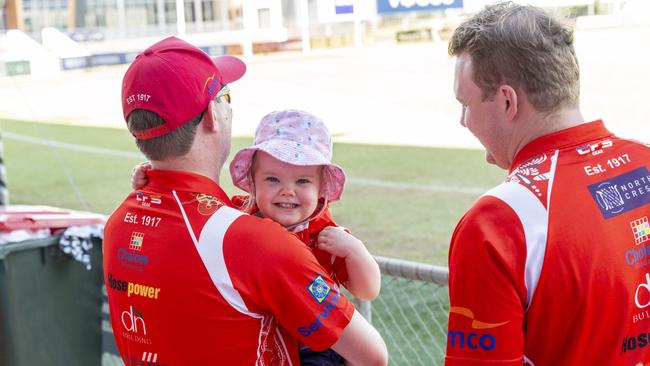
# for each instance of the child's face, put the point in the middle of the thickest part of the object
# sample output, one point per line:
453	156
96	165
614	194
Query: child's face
285	193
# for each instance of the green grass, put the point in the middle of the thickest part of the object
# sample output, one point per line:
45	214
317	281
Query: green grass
406	223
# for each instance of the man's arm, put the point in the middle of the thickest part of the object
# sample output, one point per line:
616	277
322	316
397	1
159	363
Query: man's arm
360	344
487	293
278	274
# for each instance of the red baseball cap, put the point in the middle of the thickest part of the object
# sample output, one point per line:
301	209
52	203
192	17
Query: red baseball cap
177	81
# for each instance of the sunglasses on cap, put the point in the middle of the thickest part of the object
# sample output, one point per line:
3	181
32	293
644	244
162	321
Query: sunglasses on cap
223	92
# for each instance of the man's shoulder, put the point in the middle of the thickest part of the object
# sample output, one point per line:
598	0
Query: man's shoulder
118	216
495	204
504	208
498	222
500	196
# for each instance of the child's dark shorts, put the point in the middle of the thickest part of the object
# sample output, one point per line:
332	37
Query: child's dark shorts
325	358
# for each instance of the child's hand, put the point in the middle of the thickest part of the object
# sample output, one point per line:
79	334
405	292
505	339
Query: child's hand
364	276
337	241
139	176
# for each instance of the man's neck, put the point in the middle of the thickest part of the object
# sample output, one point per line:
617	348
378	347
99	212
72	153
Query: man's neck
189	164
539	124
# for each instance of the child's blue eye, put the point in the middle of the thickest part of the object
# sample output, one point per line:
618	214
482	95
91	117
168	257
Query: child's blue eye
272	179
303	181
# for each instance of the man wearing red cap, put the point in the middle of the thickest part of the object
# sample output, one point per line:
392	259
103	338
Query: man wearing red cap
191	280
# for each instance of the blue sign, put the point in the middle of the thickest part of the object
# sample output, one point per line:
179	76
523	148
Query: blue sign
344	6
622	193
395	6
72	63
108	59
214	50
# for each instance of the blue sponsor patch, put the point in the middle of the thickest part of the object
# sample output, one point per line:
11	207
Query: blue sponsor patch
328	308
460	339
132	260
319	289
622	193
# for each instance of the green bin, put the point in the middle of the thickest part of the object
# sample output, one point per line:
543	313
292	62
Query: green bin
50	305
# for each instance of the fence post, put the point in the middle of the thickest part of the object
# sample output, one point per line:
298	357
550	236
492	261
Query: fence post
4	192
413	270
364	308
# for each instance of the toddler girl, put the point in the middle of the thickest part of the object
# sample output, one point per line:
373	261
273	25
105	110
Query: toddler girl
290	179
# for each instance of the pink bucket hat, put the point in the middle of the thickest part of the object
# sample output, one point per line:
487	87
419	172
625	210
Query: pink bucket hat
294	137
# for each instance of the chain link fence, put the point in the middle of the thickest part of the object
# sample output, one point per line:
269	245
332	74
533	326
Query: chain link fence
410	313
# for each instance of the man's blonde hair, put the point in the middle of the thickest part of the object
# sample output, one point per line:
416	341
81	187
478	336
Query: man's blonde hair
524	47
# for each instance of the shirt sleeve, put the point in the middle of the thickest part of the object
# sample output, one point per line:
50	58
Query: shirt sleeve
486	287
340	269
277	274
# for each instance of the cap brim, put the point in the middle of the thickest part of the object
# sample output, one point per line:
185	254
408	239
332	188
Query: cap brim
231	68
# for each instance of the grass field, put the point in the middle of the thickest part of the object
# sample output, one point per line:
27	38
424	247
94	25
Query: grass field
403	202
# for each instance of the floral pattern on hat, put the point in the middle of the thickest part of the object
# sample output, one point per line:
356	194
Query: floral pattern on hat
295	137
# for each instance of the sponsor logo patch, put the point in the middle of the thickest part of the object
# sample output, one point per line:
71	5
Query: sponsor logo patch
460	339
595	149
133	321
622	193
132	288
207	204
319	289
631	343
472	340
638	256
132	260
147	200
476	324
135	329
136	241
327	309
642	293
641	230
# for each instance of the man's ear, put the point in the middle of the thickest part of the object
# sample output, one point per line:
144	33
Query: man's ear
208	118
510	101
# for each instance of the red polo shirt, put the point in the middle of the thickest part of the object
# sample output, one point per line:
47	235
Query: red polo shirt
552	266
193	281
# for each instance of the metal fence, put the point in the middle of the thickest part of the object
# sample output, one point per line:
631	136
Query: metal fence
410	313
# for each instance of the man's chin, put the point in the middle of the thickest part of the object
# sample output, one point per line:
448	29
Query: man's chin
491	160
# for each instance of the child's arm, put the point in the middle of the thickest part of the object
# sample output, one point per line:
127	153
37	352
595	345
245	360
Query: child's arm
364	278
138	176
